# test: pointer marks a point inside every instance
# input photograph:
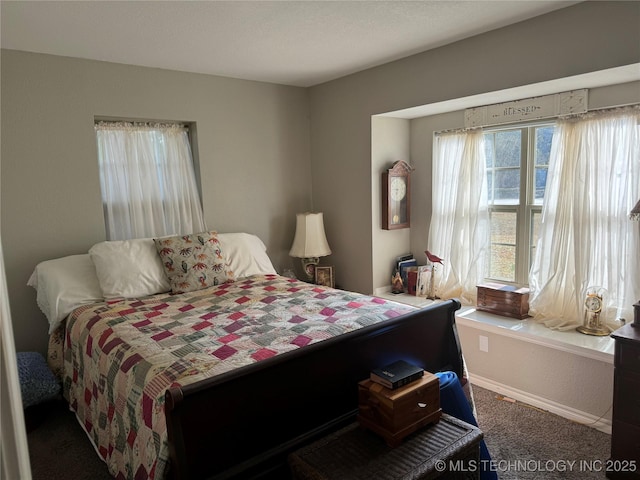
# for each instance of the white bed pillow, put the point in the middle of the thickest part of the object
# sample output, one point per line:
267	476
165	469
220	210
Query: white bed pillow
129	268
64	284
246	254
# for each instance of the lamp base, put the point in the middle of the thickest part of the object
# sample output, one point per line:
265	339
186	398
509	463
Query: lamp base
309	267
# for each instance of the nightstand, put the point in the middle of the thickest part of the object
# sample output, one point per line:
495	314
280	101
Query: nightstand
625	431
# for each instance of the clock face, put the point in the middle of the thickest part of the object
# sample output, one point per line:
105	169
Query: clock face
593	303
398	188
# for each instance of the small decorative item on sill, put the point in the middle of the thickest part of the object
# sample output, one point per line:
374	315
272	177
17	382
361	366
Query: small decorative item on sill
594	323
396	283
431	295
505	300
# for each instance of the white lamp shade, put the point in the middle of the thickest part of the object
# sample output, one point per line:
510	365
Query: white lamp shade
310	239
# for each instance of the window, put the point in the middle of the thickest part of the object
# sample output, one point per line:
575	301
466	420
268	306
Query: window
517	161
510	207
147	180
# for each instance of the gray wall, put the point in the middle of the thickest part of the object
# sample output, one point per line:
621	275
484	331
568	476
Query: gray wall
265	150
390	141
253	143
586	37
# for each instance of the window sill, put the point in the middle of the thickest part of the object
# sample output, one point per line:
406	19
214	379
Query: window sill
404	298
530	331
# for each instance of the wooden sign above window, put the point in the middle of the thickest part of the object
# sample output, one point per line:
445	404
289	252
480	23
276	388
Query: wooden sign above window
565	103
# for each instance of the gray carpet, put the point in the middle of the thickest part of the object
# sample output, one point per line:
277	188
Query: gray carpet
59	448
547	446
542	442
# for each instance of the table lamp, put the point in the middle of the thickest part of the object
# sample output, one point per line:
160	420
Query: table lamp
310	242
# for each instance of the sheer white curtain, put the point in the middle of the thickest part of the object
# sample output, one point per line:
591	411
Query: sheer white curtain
459	229
586	237
148	180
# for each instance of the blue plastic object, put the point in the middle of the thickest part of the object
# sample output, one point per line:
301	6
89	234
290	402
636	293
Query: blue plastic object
454	402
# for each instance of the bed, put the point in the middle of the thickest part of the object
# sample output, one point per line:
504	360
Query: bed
223	380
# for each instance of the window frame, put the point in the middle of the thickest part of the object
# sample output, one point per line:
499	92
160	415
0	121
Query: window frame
526	208
161	197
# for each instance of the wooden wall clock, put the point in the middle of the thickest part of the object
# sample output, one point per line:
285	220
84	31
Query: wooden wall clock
396	198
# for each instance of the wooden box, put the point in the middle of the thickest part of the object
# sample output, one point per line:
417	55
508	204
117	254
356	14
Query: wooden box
394	414
504	300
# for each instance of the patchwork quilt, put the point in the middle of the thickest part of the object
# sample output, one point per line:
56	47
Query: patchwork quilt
119	358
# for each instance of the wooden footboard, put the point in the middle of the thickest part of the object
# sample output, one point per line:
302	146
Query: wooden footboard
243	423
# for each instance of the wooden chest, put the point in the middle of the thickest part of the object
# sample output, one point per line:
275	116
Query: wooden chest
354	453
504	300
394	414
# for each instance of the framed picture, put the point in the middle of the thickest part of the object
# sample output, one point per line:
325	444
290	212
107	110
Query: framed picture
424	281
325	277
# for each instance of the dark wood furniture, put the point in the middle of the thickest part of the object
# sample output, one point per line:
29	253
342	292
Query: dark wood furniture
625	432
244	423
394	414
449	448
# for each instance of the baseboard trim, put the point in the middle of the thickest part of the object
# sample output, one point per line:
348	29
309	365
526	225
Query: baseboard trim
578	416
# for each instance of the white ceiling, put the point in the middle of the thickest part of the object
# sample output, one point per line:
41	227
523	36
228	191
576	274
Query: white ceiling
299	43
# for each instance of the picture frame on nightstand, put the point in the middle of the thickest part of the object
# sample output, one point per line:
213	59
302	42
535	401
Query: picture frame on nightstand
325	276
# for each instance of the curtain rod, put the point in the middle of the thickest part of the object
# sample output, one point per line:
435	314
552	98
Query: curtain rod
107	125
591	113
602	111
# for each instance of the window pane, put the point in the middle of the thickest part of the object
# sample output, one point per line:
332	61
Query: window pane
536	217
508	146
544	137
502	151
503	246
541	184
503	263
507	186
489	150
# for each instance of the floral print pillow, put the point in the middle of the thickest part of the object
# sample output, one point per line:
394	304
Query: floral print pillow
193	262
